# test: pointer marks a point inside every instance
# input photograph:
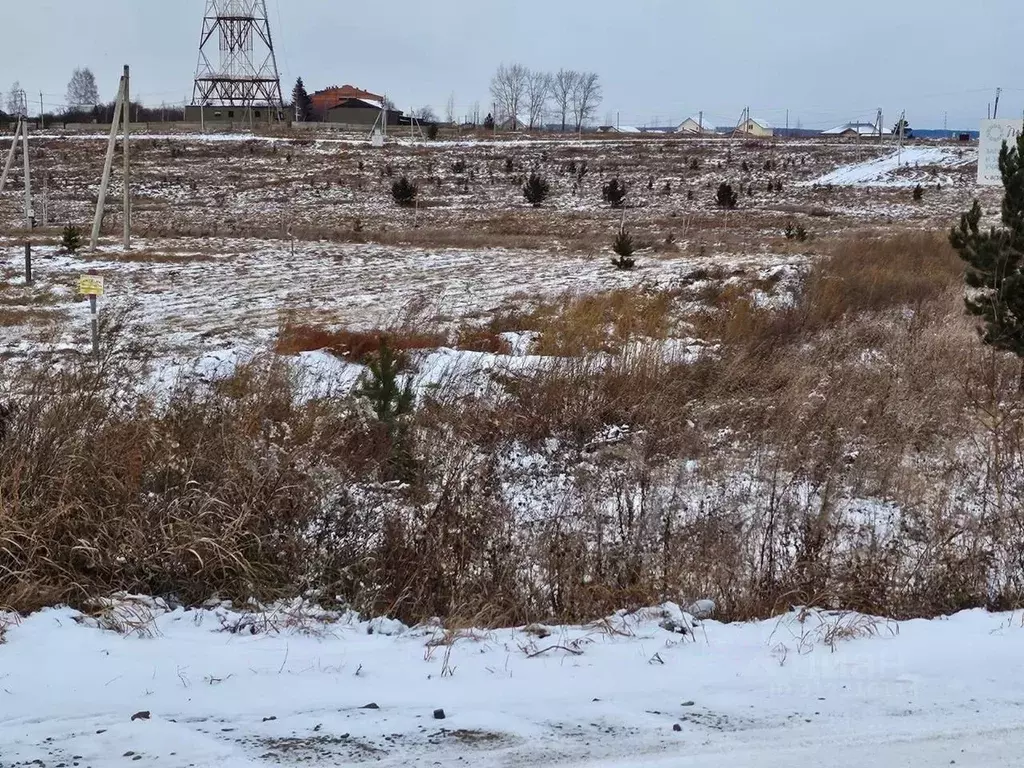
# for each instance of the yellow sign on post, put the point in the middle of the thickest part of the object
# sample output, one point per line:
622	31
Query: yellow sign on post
90	285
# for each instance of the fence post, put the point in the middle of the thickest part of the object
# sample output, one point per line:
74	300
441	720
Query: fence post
28	263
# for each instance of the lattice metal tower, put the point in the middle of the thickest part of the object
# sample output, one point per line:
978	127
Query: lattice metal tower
244	74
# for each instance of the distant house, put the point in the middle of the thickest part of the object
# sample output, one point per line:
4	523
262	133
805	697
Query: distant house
322	102
232	116
852	131
696	126
519	123
754	128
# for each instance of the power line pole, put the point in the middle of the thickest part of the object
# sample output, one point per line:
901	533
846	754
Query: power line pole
42	120
29	215
127	202
995	110
120	109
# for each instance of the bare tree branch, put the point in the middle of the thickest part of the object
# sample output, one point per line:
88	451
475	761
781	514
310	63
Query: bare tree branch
538	91
586	98
508	86
563	84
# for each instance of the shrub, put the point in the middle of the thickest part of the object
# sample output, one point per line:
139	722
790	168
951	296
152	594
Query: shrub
459	166
71	239
432	131
695	164
727	197
796	232
624	250
614	193
404	192
509	165
918	193
536	190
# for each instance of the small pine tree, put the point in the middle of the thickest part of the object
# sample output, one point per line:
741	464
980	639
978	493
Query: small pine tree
489	123
404	192
745	167
614	193
695	164
536	190
509	165
459	166
432	131
71	238
727	197
918	193
392	403
624	250
995	260
388	400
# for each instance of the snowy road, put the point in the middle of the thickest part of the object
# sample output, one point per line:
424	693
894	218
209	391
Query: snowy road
621	694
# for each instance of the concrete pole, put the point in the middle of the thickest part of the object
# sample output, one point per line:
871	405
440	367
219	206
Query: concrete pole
10	157
127	161
29	215
107	167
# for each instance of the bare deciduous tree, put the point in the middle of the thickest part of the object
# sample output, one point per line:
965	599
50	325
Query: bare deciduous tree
16	101
82	90
563	84
508	86
449	110
425	114
586	98
538	91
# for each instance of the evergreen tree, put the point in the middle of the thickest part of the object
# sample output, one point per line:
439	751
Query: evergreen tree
614	192
995	259
536	190
727	197
392	404
404	192
301	101
489	122
624	249
907	131
388	399
918	193
71	238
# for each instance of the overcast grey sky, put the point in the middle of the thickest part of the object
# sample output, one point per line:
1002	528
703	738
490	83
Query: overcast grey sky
660	60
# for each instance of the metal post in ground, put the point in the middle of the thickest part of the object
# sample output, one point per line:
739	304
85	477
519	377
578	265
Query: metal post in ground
28	263
94	312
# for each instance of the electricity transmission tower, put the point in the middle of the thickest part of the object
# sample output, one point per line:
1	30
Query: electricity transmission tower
237	64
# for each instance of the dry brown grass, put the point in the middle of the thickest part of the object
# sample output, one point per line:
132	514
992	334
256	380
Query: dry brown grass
858	445
354	346
575	325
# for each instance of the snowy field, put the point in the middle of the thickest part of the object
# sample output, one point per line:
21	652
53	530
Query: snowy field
906	168
190	689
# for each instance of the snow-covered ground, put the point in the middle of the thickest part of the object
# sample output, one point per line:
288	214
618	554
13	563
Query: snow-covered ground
904	168
212	687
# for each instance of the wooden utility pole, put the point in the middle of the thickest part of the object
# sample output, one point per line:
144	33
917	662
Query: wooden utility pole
120	114
42	120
